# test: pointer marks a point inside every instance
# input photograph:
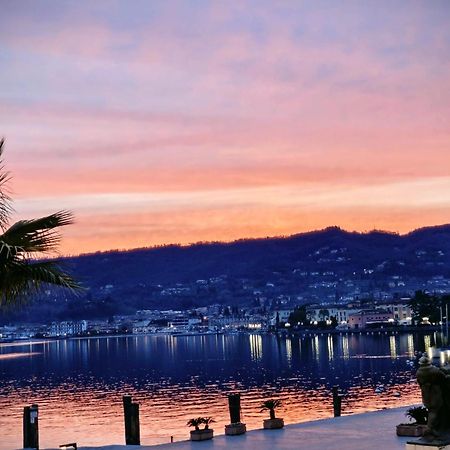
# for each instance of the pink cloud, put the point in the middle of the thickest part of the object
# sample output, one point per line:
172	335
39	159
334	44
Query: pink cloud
105	100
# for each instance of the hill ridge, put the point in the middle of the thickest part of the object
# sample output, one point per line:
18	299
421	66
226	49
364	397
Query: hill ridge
324	266
330	228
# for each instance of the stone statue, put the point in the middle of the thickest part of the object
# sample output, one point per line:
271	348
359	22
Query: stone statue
434	384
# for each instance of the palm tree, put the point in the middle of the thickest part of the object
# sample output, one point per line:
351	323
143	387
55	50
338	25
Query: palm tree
270	405
207	421
196	422
21	273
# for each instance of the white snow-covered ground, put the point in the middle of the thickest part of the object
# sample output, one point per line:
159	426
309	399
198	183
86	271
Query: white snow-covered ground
368	431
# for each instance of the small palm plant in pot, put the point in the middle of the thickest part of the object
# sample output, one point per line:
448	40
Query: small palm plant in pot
419	415
201	434
207	421
195	422
273	422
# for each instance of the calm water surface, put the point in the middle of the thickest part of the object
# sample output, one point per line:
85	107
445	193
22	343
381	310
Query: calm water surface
79	383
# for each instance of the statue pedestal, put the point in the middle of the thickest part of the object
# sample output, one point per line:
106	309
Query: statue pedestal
424	444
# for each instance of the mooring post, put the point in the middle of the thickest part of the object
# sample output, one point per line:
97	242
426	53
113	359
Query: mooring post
234	405
236	427
135	428
30	427
337	402
131	415
26	421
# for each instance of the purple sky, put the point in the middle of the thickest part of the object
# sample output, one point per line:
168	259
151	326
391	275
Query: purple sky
164	121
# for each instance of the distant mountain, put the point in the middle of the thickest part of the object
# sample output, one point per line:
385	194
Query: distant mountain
320	265
254	257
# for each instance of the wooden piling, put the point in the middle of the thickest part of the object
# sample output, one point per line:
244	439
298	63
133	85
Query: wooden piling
131	415
337	402
234	405
31	427
236	427
26	421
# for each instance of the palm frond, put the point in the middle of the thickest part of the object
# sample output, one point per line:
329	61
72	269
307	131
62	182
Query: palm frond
19	280
13	288
5	199
49	272
195	422
37	235
207	420
20	277
270	405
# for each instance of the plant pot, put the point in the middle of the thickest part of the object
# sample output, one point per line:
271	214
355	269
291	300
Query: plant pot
235	429
202	435
273	424
410	429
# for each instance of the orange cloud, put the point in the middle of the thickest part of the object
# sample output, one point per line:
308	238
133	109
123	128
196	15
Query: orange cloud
226	122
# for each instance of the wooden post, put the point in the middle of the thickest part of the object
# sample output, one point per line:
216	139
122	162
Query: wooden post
234	405
134	426
131	414
26	421
30	427
337	402
236	427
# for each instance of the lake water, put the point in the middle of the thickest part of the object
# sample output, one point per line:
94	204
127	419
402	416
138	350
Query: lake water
78	384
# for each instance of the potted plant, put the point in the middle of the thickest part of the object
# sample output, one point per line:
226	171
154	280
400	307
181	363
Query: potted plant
201	434
420	416
273	422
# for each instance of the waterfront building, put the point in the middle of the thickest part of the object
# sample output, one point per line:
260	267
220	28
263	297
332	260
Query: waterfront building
282	314
327	312
142	326
253	322
370	318
401	311
102	326
180	323
68	328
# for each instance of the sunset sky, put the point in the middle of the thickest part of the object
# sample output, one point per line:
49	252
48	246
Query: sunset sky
176	122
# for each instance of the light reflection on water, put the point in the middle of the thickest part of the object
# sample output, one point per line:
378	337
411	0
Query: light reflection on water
18	355
79	384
